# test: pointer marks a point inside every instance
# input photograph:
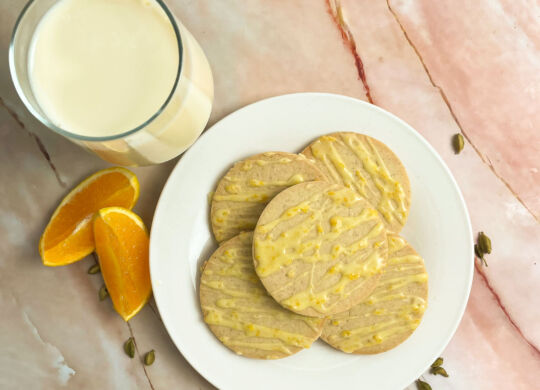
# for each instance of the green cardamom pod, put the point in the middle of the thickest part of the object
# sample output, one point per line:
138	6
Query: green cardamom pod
458	143
94	269
129	347
438	362
439	371
484	243
149	358
103	293
421	385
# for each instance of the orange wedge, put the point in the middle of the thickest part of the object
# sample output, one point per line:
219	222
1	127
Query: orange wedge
122	248
68	236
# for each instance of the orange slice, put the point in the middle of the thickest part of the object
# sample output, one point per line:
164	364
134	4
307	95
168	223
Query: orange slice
122	247
68	236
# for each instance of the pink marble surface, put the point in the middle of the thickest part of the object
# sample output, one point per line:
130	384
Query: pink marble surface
444	67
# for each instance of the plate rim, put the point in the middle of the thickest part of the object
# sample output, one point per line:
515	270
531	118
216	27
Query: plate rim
209	133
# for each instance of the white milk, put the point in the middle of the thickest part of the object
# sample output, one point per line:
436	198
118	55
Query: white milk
103	67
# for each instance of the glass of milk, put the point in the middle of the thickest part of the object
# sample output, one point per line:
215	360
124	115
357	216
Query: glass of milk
122	78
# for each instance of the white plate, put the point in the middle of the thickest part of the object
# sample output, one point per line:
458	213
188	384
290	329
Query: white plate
438	227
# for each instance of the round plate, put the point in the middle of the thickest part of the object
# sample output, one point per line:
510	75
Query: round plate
181	240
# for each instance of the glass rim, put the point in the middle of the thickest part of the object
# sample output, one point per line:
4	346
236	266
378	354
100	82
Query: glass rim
65	133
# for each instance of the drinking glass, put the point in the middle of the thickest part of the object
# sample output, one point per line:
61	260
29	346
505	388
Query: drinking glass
163	136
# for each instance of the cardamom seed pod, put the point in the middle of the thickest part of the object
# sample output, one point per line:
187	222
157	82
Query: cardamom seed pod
437	363
421	385
458	143
149	358
484	243
129	347
439	371
94	269
103	293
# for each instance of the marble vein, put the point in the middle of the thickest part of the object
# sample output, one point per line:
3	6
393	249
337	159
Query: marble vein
65	372
483	157
489	72
336	11
154	309
46	360
487	352
485	280
140	357
38	141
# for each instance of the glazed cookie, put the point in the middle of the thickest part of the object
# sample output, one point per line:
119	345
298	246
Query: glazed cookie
368	167
250	184
391	313
241	314
319	248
